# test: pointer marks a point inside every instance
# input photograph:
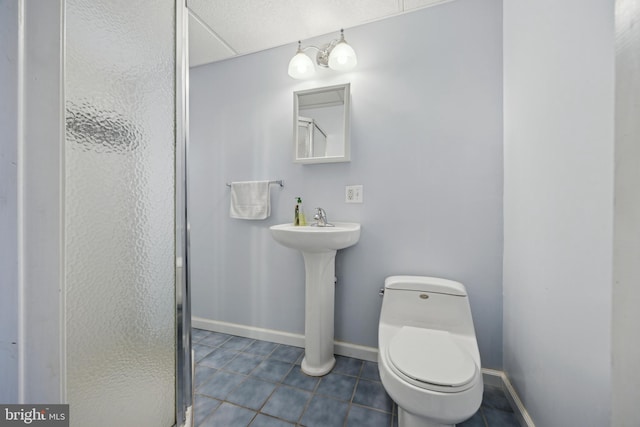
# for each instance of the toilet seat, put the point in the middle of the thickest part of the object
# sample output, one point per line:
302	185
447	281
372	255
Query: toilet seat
431	359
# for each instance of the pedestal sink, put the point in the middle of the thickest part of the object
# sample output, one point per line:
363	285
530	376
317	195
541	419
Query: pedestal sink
318	246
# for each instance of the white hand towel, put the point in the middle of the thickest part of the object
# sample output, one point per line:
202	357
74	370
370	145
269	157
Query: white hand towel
250	200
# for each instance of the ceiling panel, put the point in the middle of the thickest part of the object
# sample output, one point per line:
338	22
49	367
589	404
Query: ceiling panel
250	25
417	4
237	27
204	45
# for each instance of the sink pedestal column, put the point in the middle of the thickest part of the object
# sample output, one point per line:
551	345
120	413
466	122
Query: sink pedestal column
318	246
319	305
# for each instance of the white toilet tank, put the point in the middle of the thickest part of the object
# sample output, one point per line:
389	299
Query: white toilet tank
427	302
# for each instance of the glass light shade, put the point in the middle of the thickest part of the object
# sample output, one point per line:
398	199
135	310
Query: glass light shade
301	66
342	57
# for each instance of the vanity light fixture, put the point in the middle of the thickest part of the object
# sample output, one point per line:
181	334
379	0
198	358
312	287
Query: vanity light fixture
337	55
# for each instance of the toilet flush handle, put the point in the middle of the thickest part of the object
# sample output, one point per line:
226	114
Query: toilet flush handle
381	292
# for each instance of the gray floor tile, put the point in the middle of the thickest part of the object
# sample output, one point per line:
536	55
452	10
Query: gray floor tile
272	370
497	418
372	394
200	351
214	339
359	417
237	343
286	353
243	363
229	415
337	386
203	407
348	365
370	371
198	334
494	397
252	393
299	379
325	412
221	384
203	373
267	421
218	358
287	403
475	421
261	348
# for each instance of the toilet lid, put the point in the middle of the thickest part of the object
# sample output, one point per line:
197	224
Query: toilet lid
431	356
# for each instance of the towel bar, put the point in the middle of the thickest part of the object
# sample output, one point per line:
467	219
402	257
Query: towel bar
279	182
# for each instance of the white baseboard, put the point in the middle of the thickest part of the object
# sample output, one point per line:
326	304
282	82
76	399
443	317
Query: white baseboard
497	378
281	337
490	377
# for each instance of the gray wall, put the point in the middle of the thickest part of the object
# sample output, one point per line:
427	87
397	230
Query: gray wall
8	202
33	173
426	144
559	168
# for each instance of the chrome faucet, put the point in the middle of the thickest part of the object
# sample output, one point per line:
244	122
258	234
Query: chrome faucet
321	218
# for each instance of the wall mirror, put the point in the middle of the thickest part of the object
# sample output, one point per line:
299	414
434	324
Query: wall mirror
321	125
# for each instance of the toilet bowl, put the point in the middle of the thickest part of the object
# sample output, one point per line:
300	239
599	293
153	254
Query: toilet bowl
428	356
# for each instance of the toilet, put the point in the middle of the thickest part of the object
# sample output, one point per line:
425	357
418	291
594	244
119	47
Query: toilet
428	356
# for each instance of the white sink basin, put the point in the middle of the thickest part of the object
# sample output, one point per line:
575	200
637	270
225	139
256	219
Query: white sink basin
318	246
317	239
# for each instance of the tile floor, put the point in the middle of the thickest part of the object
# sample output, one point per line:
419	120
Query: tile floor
243	382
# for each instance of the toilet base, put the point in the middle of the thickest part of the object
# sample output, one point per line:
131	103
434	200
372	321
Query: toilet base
407	419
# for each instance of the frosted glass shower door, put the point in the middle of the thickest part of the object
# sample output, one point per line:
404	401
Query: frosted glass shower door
120	148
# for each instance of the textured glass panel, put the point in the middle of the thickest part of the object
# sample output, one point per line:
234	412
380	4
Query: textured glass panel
119	212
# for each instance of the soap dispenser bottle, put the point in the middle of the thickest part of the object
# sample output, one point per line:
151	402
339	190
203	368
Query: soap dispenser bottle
299	218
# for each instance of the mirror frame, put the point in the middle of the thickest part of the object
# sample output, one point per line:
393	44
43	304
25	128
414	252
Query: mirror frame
346	157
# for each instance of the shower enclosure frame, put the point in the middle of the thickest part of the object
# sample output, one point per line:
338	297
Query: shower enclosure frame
36	72
184	361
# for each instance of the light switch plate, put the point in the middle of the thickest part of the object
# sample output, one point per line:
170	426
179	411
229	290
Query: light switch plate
353	194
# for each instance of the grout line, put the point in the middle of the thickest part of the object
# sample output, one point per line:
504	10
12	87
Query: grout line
353	394
484	417
306	406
